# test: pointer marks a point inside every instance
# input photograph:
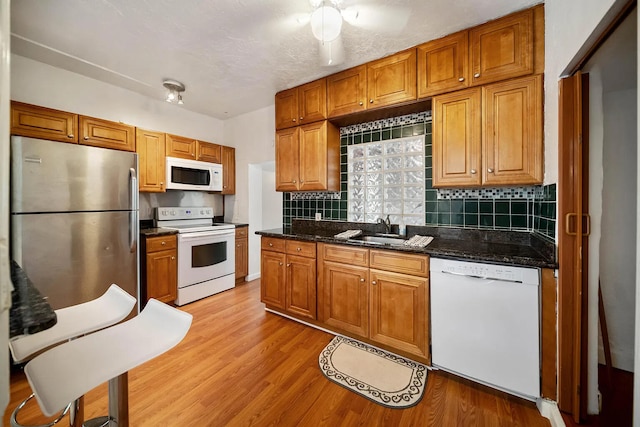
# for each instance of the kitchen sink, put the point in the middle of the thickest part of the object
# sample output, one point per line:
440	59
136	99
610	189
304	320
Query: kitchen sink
382	240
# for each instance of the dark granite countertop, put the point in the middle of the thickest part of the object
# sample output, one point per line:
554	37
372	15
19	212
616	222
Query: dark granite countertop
30	312
498	247
157	231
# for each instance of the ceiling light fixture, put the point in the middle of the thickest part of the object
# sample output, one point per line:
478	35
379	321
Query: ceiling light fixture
174	91
326	23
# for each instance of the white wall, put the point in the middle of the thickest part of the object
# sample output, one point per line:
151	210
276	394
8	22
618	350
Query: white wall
40	84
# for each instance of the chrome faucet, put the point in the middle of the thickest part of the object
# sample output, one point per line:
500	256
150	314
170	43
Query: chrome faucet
386	222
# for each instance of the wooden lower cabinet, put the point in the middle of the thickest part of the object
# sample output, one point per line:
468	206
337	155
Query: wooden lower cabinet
288	276
345	297
242	253
160	268
398	311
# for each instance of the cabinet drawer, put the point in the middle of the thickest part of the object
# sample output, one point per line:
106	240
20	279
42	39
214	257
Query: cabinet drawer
346	255
400	262
273	244
242	232
296	247
161	243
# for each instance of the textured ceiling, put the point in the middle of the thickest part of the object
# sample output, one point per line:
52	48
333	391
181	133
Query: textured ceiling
232	55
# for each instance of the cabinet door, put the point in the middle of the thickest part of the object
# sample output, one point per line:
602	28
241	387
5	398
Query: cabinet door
242	258
107	134
208	152
319	167
456	139
443	65
399	311
150	147
287	159
347	92
512	132
301	286
162	275
345	297
287	108
228	170
45	123
392	80
312	101
272	279
179	146
502	49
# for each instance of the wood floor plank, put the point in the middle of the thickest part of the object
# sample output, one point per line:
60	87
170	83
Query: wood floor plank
242	366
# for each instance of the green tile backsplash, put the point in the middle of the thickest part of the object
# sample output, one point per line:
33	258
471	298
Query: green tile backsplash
517	208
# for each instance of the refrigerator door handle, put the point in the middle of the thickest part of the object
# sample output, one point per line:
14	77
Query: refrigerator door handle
133	214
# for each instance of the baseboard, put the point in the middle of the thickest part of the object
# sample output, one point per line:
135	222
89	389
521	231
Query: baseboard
549	410
251	277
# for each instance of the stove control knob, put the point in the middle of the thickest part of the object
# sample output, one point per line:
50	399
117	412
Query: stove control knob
173	213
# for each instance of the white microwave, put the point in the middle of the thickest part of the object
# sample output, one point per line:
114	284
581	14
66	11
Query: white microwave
183	174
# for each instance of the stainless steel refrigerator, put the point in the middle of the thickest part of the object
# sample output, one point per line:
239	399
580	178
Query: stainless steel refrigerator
74	218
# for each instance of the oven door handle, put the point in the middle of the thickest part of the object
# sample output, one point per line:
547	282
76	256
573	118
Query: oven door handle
200	234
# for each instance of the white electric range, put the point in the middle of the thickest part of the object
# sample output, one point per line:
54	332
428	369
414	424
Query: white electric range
206	251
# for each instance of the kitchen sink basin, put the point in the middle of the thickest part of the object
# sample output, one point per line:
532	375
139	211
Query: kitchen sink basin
382	240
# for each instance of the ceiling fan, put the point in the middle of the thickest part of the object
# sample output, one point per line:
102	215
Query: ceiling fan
328	16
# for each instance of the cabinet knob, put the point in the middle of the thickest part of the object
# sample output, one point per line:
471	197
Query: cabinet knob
86	138
293	120
362	279
224	186
70	135
461	79
490	170
473	171
238	245
163	243
361	103
476	75
288	265
172	258
371	101
294	181
298	249
373	282
302	181
301	118
271	244
279	263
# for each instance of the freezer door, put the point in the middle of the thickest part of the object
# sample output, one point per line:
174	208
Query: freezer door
74	257
51	176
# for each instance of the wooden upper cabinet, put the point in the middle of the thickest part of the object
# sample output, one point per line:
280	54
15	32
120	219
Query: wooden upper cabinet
443	65
392	80
312	101
208	152
503	48
45	123
228	170
347	92
179	146
302	104
512	132
308	158
456	139
287	159
151	147
287	108
107	134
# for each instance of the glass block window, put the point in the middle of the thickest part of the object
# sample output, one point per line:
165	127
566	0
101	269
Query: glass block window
387	178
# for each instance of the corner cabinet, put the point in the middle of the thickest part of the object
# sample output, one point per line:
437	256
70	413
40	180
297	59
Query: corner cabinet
150	147
160	268
502	145
308	158
288	276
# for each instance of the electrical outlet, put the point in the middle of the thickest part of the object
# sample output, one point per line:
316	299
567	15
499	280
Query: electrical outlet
318	216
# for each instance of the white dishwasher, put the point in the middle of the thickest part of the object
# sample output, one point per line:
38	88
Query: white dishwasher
485	324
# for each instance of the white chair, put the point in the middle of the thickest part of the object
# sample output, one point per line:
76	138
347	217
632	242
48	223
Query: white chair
74	321
66	372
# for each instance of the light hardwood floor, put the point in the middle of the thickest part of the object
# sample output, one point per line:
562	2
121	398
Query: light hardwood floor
241	366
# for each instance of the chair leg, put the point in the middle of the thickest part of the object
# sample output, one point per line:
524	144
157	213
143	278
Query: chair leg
119	400
76	414
14	416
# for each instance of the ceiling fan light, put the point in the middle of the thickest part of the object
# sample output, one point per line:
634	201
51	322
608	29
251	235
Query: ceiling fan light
326	23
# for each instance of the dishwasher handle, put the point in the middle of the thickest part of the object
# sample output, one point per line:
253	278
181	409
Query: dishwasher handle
453	273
